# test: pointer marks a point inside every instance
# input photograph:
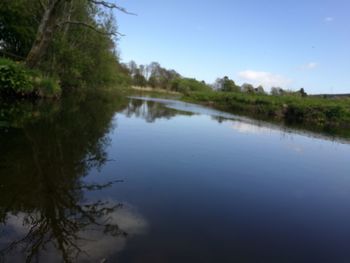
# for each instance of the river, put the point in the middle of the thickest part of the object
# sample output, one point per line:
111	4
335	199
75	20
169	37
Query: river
153	180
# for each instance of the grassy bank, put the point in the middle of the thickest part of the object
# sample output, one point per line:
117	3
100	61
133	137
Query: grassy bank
153	92
18	81
319	113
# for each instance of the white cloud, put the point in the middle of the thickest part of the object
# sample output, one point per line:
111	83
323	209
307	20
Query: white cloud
329	19
247	128
296	148
94	242
265	79
309	66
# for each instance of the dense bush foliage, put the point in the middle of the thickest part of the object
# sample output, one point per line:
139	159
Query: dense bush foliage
14	79
18	81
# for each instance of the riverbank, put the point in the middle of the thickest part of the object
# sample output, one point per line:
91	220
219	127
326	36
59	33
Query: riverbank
154	90
310	111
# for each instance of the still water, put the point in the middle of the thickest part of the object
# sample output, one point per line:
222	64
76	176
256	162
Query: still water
152	180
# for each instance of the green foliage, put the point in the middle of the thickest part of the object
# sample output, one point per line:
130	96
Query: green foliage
139	80
17	81
152	82
248	88
77	57
186	85
14	79
228	85
48	87
260	90
18	24
81	57
155	76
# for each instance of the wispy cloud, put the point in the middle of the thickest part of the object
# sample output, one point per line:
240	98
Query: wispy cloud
329	19
266	79
309	66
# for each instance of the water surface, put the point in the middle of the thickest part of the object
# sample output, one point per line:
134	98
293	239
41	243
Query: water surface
152	180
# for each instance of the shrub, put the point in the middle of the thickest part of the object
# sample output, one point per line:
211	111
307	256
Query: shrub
14	79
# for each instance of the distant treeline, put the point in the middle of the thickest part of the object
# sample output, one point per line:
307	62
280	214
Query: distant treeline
317	112
155	76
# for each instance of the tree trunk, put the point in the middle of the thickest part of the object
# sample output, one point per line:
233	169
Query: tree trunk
68	9
44	34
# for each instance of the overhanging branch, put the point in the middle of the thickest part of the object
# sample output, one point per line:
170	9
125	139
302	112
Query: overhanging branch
111	6
92	27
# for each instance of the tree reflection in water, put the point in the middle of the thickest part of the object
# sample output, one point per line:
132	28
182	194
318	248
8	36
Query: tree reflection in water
43	194
151	110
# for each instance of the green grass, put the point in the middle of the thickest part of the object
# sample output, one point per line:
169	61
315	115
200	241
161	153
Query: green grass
317	112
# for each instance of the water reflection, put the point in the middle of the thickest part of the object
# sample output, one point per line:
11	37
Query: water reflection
44	208
247	128
151	110
341	135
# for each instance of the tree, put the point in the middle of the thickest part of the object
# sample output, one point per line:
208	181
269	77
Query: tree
133	68
229	85
139	80
142	70
277	91
248	88
217	84
226	84
56	15
259	90
76	44
302	92
18	23
153	82
189	84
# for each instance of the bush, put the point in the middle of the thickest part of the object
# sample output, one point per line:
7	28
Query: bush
14	79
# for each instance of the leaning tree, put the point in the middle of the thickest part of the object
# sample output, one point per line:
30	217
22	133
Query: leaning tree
57	15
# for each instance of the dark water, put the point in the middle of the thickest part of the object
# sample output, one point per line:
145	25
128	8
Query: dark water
132	180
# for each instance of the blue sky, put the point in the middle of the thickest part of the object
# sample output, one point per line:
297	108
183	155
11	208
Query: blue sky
292	44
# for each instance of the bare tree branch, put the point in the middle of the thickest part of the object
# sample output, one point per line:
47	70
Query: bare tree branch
111	6
92	27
